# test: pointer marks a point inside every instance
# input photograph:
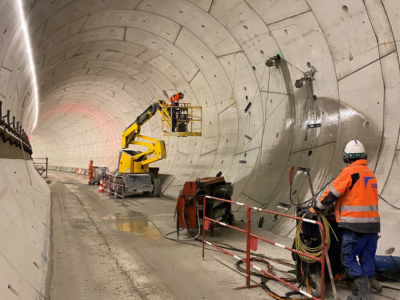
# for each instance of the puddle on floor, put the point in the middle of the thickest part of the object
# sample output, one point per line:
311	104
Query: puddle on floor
134	222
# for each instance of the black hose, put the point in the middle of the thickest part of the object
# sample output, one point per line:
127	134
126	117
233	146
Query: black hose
389	203
305	202
390	288
265	278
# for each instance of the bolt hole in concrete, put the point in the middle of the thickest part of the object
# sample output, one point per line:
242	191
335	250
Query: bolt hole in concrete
309	153
134	222
345	8
390	250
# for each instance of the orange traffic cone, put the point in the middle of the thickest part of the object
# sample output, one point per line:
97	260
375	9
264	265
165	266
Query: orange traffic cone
101	190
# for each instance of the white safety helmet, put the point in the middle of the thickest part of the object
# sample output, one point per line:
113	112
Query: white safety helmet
354	150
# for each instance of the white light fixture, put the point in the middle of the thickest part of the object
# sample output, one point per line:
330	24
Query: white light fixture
31	61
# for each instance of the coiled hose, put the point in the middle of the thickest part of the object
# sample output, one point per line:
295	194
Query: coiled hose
313	251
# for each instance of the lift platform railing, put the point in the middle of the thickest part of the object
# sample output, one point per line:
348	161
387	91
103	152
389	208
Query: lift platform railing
250	236
320	259
206	221
188	120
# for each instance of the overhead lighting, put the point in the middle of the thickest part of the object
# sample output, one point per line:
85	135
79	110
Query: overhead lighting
31	61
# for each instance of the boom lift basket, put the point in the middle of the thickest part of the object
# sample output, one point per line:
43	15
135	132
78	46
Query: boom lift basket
188	120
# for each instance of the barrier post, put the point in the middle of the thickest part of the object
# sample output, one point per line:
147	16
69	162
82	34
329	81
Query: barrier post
247	232
116	189
204	219
249	235
323	246
320	260
248	249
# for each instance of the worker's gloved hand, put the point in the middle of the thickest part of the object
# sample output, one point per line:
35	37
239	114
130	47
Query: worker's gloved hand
310	213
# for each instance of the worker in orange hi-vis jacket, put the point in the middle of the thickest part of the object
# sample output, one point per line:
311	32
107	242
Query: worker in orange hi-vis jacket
355	194
173	102
90	171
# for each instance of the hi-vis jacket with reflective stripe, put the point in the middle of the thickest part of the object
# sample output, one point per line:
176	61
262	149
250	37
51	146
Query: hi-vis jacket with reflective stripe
174	100
90	168
355	192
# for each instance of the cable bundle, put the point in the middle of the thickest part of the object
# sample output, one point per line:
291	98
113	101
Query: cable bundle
314	251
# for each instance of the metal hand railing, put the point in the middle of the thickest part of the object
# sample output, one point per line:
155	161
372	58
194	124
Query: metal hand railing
250	236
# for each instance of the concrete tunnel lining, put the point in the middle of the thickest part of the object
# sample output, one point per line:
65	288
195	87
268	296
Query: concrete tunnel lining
101	63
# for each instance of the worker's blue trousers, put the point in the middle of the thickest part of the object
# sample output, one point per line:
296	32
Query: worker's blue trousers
174	119
361	245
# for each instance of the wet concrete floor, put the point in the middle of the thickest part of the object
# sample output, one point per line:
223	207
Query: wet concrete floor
103	250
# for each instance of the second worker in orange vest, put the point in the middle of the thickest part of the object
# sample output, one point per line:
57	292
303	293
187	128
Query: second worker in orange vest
90	171
355	194
173	111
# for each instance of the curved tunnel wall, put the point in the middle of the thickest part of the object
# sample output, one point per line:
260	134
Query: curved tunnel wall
100	63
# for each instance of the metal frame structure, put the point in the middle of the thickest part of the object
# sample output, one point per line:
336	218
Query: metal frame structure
187	116
110	185
206	221
11	131
46	163
250	236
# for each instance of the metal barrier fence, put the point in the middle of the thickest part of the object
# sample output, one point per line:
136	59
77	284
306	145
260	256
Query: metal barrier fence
114	188
249	235
206	221
321	259
42	168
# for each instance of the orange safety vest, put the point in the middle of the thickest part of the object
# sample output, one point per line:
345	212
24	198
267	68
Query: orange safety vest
355	192
174	100
90	168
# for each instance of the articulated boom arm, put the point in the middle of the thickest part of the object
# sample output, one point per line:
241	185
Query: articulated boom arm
137	162
130	133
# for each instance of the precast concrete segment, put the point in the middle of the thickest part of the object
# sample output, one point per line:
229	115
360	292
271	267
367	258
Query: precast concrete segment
113	58
24	230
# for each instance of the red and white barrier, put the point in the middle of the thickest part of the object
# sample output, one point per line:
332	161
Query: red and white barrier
251	243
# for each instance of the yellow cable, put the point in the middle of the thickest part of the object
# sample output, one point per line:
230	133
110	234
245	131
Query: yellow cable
313	251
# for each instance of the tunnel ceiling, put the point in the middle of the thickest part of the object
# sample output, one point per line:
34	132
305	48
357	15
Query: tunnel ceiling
101	63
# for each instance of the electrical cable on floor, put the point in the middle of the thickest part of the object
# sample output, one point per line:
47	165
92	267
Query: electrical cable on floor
265	278
263	259
390	288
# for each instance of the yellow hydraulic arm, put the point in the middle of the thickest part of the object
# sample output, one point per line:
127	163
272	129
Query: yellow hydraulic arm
137	162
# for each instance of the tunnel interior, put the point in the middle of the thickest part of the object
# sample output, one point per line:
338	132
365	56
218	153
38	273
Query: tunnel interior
100	63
